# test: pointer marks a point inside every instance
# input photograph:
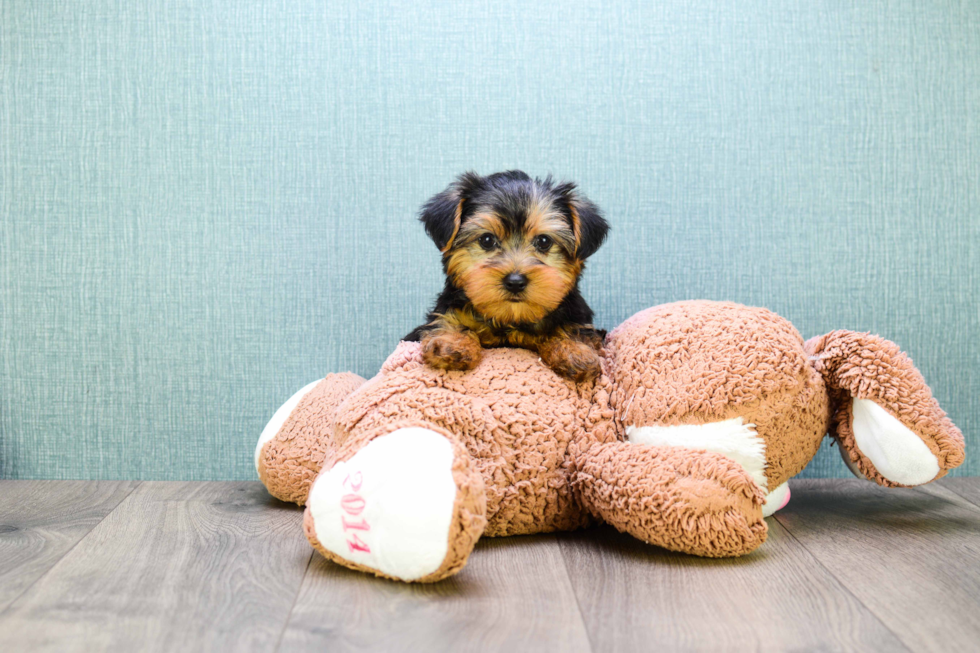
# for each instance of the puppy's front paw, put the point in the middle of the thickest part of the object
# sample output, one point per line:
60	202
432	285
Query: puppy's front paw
572	359
452	350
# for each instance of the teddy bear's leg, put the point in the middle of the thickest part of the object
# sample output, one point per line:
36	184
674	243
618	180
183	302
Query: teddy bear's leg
404	501
293	444
890	428
732	438
682	499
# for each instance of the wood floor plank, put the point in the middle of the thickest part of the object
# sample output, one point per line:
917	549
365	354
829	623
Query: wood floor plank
40	521
637	597
218	566
176	566
910	555
968	488
513	595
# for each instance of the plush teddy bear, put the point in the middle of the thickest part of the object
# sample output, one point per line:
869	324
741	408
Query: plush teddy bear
686	440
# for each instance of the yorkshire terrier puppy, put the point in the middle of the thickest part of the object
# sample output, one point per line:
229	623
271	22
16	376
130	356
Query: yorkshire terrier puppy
513	249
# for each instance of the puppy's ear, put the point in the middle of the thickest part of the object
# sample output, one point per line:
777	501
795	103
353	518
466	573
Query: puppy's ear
588	225
443	213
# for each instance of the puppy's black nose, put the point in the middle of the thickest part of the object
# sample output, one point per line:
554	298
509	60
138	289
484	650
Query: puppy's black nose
515	282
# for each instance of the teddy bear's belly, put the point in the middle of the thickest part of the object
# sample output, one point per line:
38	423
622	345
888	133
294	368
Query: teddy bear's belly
526	474
514	416
541	503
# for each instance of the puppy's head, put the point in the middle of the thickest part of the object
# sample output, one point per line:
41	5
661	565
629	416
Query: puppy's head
515	245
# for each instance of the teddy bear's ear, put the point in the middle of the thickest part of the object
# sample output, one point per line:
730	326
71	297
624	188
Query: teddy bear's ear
442	214
589	226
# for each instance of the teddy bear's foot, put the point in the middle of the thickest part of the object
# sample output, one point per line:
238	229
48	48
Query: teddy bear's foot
890	428
776	500
408	505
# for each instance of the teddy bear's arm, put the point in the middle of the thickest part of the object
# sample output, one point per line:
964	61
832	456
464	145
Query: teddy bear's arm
296	440
890	428
681	499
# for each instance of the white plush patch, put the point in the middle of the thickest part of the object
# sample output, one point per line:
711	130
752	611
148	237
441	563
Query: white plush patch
390	506
897	453
731	438
776	499
279	418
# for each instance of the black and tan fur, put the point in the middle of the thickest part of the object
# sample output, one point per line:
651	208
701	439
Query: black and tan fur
500	232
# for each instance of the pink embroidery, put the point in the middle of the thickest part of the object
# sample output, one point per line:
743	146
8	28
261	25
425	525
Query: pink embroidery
353	504
356	544
359	526
355	483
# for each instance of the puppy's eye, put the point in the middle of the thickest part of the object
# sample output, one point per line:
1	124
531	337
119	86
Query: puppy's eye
487	241
543	243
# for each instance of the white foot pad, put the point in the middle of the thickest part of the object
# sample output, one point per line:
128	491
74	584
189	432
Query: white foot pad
897	453
776	500
390	506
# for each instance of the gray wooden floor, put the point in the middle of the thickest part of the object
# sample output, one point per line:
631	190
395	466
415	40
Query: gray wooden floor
132	566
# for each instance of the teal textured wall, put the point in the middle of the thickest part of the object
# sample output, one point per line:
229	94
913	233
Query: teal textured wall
206	205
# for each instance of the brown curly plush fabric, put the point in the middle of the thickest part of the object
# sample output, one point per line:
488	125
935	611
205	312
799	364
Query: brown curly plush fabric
700	362
291	460
513	415
702	504
535	453
865	366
